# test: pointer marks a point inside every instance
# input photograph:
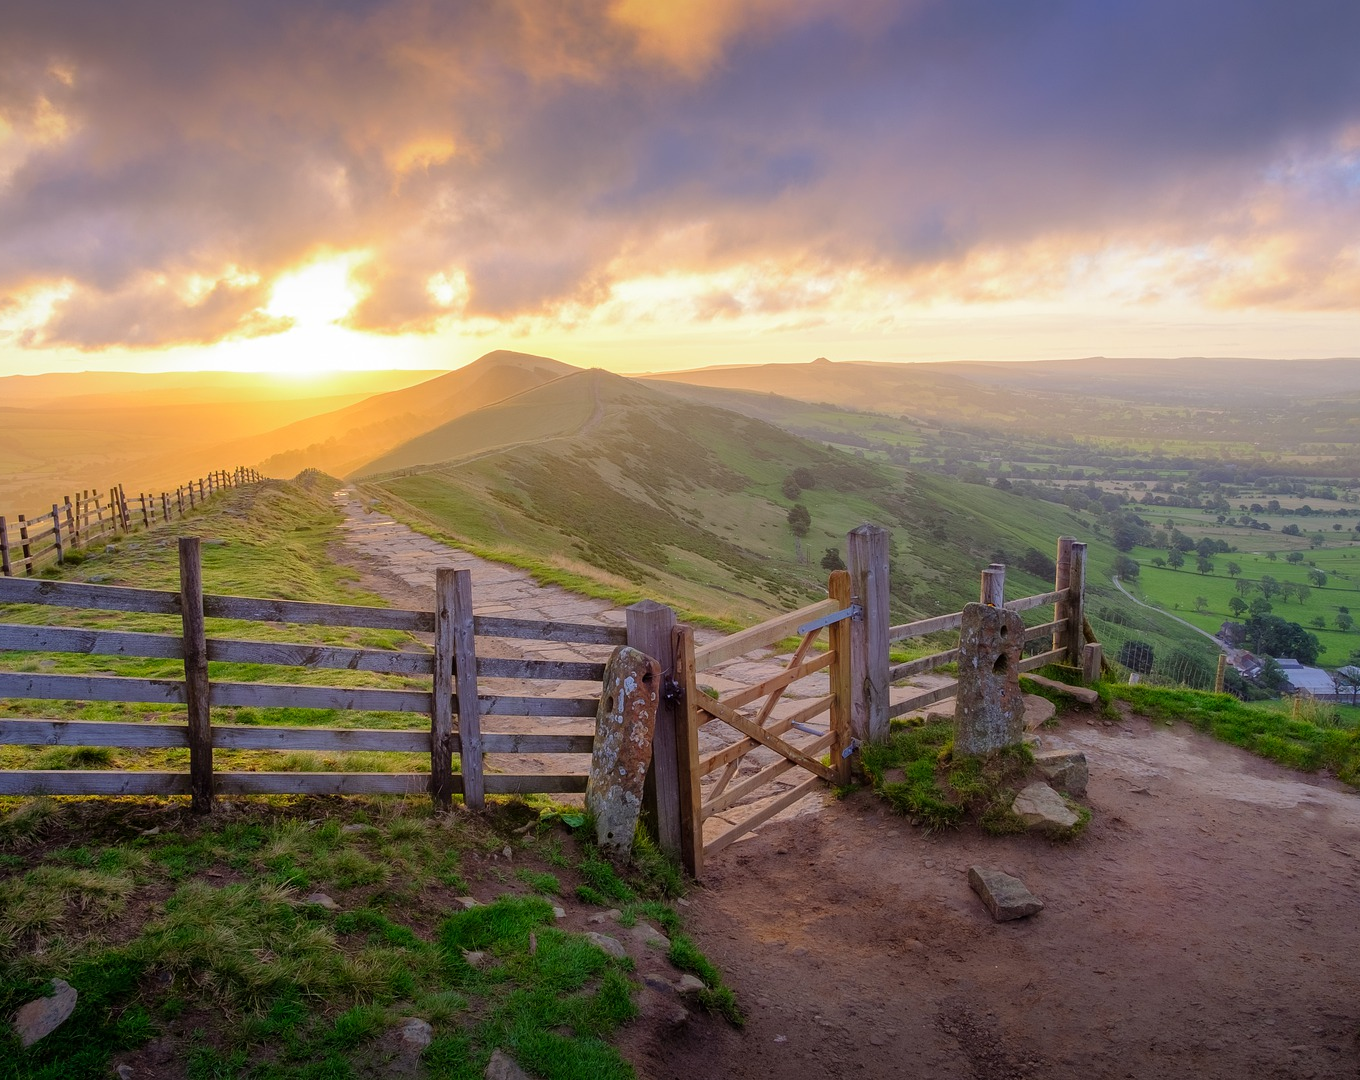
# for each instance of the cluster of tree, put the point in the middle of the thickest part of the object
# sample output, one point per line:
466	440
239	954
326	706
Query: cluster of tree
1271	635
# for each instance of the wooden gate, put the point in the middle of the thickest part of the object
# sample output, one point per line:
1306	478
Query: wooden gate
748	712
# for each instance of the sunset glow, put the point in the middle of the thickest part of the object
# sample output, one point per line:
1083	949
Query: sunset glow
648	186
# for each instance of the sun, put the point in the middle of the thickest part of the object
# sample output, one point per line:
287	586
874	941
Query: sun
316	295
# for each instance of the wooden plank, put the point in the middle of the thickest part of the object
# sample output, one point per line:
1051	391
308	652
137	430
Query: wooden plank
284	696
921	627
441	735
650	629
559	670
510	742
1053	656
6	567
1043	630
90	688
326	783
758	637
867	548
687	753
92	782
1062	579
922	664
21	637
763	736
838	589
241	737
760	817
1076	604
746	695
741	748
468	704
24	732
529	629
312	614
197	698
97	597
719	802
920	701
1025	603
494	705
549	784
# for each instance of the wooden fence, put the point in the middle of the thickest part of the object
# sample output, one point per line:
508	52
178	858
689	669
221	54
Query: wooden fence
79	520
451	702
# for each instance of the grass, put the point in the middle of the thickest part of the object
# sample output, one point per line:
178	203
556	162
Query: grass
201	932
918	773
1307	744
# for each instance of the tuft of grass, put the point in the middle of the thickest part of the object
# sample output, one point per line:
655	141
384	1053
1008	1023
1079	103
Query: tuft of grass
544	883
715	997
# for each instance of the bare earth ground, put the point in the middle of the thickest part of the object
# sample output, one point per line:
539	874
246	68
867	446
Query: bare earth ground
1205	925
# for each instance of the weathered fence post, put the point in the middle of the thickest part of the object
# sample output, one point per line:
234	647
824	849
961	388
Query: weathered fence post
456	601
651	629
687	751
123	510
441	699
867	547
1076	603
146	515
196	689
839	638
994	585
621	755
1062	579
990	711
24	546
1092	661
57	541
5	566
1220	676
72	522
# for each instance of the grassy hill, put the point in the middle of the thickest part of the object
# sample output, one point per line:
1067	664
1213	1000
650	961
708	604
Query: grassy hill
633	489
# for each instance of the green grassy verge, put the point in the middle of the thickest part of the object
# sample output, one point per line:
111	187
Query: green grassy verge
1298	742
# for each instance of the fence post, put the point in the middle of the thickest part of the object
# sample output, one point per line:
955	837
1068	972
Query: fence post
441	707
1076	604
838	589
24	546
5	567
651	629
72	522
1221	675
1092	660
123	510
196	691
465	687
99	515
867	547
146	517
687	752
994	585
1062	579
56	535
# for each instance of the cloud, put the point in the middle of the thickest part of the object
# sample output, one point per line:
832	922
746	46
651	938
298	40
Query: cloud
542	152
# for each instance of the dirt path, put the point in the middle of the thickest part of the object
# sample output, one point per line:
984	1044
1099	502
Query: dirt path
1204	926
1143	604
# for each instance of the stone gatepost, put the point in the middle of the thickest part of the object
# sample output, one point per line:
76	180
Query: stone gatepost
990	711
624	726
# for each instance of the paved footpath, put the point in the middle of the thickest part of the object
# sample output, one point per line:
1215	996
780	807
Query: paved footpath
376	540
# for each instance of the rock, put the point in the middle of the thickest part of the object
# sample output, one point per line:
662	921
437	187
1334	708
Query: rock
320	899
1038	711
1084	694
110	549
468	902
990	712
647	934
416	1033
624	726
44	1015
613	946
354	828
508	851
1005	897
1039	806
503	1067
475	958
689	984
612	915
559	912
125	1072
1064	769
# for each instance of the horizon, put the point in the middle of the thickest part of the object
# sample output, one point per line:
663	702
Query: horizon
660	188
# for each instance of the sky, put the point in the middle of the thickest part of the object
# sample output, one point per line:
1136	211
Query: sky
642	185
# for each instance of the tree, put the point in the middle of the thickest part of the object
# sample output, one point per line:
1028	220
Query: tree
1344	622
800	521
1320	622
1274	636
1237	606
1317	577
1269	586
1126	568
804	478
1294	557
1204	564
1233	569
1260	606
1243	586
1136	656
832	559
1175	558
1271	556
1201	604
791	489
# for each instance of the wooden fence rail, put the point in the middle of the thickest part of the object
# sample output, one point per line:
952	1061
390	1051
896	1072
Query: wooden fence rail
82	519
453	701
